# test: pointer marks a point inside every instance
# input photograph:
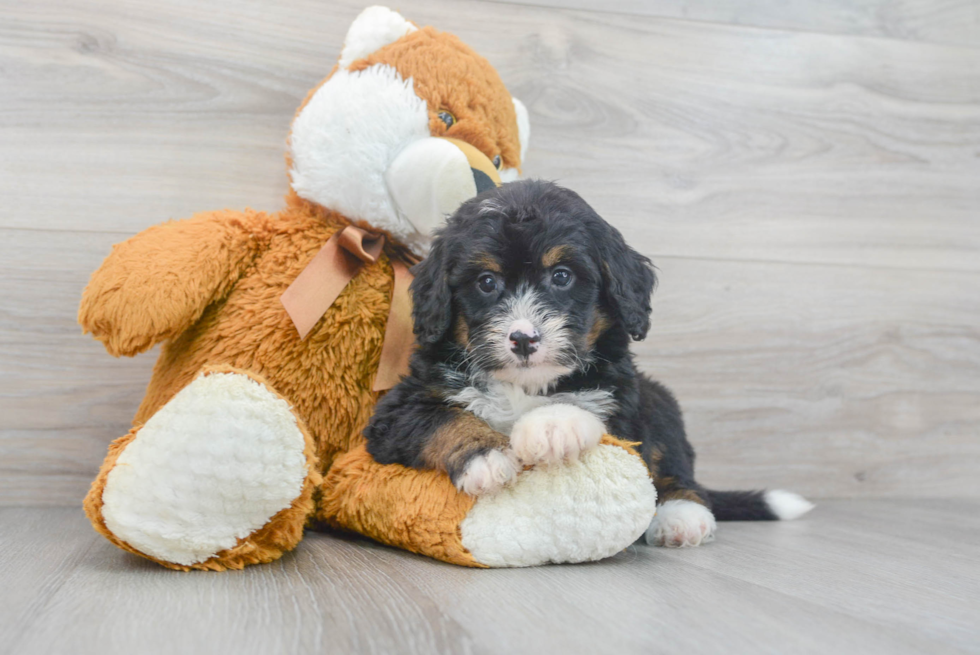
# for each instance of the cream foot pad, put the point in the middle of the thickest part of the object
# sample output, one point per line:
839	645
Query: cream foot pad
576	512
211	467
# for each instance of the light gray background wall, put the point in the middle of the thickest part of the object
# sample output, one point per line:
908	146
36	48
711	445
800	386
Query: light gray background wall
806	175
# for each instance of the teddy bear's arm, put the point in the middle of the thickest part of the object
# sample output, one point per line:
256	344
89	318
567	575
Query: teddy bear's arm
158	283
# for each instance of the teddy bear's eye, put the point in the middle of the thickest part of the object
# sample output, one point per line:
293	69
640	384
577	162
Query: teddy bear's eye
447	118
496	162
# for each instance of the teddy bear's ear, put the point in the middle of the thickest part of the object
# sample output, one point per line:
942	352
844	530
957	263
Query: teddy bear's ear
509	174
372	30
523	126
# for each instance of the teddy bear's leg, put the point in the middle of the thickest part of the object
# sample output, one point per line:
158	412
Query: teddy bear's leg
412	509
221	476
566	512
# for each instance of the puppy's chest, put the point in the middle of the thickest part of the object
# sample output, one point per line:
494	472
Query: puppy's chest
500	404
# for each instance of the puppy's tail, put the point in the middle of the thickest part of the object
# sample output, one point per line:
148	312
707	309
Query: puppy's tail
775	505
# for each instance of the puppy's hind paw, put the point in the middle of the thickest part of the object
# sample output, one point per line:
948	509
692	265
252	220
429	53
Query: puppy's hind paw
487	473
680	524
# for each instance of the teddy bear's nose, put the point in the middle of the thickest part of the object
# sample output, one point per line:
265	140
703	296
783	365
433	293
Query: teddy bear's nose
483	181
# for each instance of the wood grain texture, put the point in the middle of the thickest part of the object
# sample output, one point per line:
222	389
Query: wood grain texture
811	200
855	576
947	22
854	380
62	398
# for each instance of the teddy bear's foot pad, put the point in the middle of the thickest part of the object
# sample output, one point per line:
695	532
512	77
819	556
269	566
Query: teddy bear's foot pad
211	467
578	511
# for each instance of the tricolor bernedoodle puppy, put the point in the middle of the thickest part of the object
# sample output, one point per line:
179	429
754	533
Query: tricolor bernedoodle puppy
524	312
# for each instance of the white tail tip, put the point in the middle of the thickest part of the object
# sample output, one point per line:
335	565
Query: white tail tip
786	505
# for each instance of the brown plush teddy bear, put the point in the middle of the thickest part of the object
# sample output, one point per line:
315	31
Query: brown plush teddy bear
280	331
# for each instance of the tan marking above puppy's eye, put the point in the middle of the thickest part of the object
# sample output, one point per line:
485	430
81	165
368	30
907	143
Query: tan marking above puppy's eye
447	117
554	255
485	261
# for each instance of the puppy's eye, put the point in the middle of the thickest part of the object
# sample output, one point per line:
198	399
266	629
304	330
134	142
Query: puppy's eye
497	162
561	277
447	118
487	282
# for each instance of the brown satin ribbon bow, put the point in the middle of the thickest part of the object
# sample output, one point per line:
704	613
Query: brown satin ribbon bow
315	289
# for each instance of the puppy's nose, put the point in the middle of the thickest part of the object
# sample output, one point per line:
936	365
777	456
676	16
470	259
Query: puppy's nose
523	344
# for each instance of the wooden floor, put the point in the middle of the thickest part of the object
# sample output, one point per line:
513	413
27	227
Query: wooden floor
854	577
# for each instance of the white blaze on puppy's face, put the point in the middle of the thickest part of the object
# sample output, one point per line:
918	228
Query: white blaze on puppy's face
530	341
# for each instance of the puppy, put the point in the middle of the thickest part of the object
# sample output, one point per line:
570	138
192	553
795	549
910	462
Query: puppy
524	311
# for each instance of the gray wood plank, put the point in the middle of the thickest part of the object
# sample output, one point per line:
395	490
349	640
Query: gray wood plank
922	520
854	381
879	564
335	594
640	602
700	139
710	141
114	602
62	398
956	21
41	550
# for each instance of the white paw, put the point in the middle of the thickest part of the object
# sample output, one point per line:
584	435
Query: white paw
487	473
681	523
554	433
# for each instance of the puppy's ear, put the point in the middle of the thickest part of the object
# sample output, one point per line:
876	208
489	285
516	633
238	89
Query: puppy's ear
628	281
431	297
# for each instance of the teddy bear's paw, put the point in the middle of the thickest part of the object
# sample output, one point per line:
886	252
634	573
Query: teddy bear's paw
554	433
681	523
487	473
211	467
582	511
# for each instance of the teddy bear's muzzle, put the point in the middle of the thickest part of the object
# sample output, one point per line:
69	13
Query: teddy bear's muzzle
431	177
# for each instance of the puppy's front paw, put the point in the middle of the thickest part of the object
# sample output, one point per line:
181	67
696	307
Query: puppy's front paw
487	473
681	523
555	432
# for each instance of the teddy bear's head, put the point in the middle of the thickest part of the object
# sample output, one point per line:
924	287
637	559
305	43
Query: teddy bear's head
409	124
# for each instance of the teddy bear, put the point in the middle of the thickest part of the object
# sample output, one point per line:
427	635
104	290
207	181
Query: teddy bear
279	332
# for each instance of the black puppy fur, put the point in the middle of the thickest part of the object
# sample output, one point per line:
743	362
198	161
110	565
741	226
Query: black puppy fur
536	236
